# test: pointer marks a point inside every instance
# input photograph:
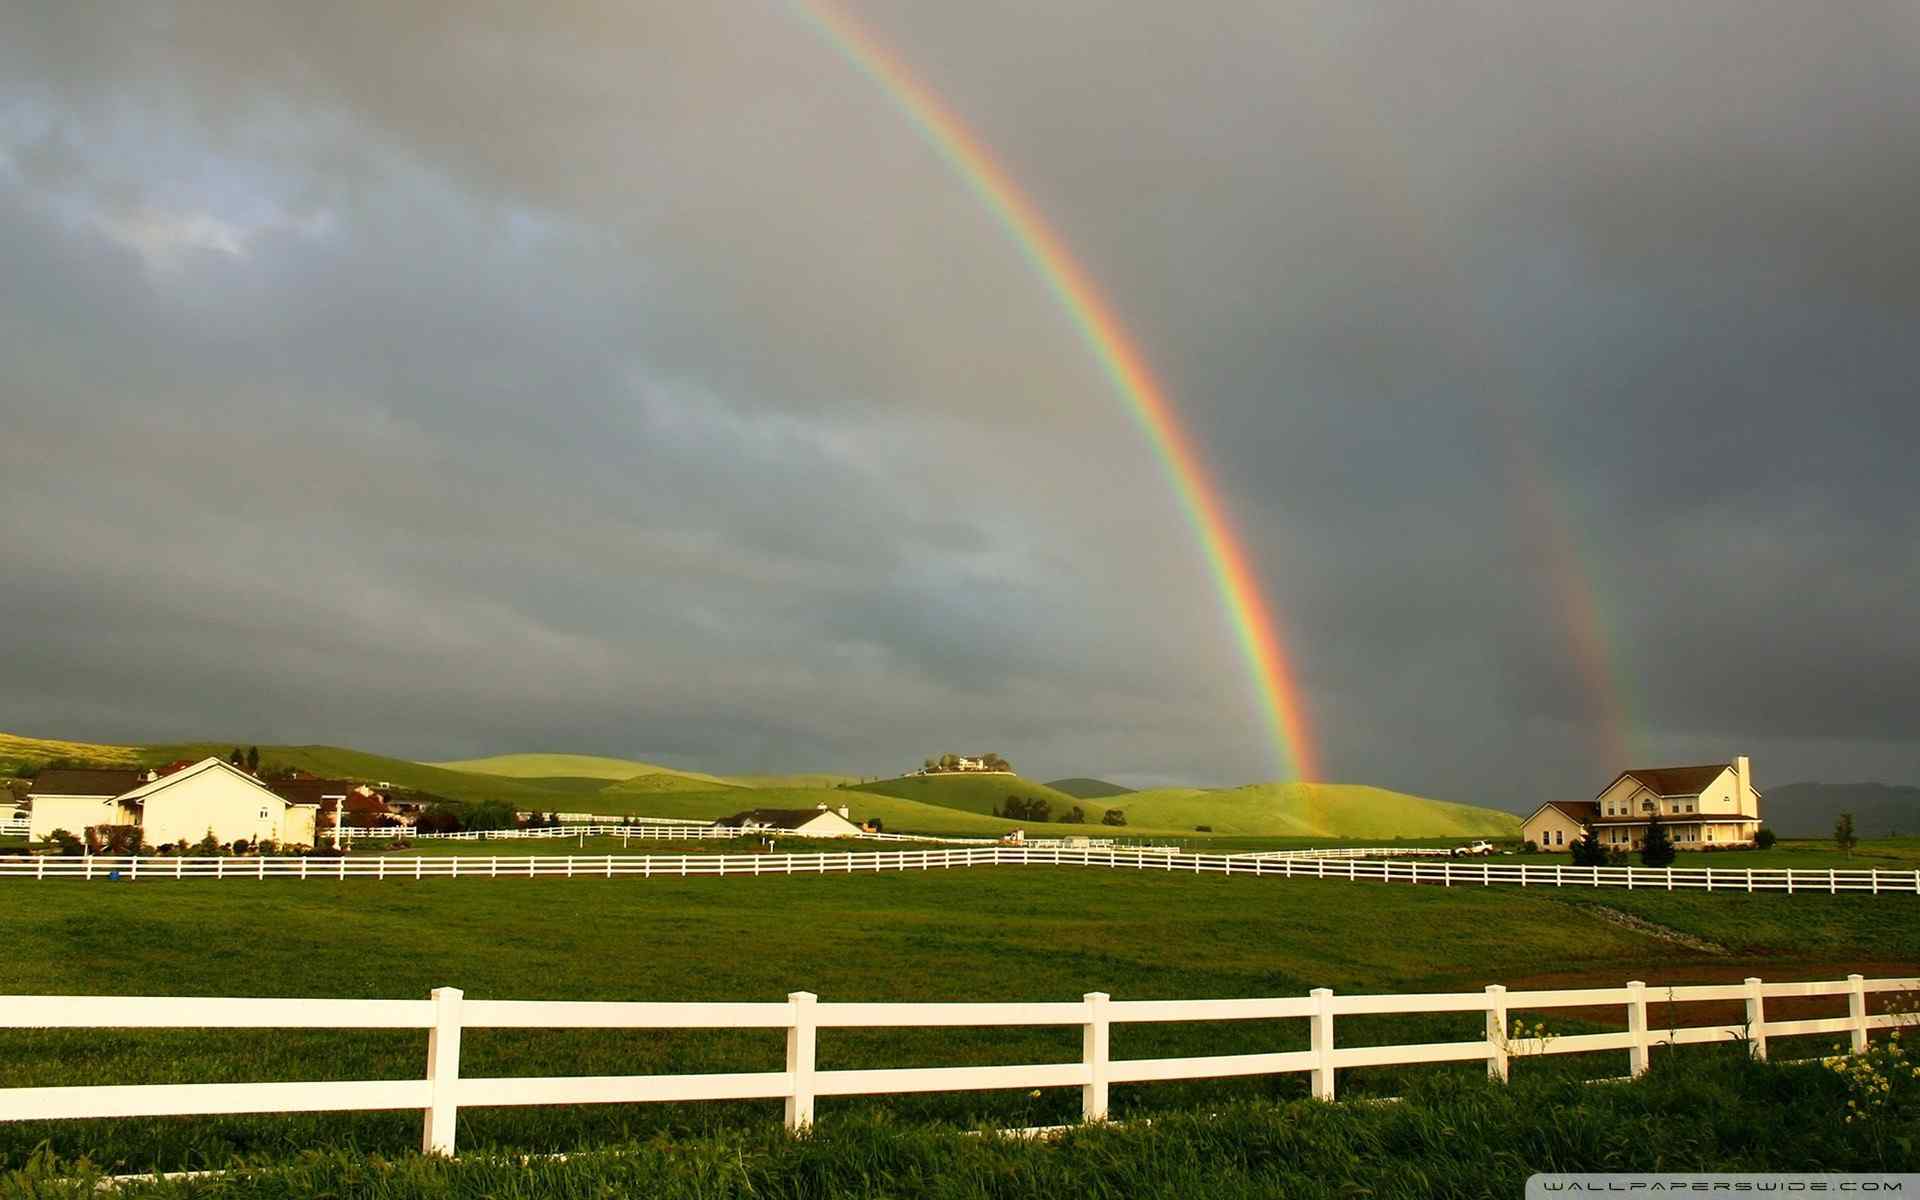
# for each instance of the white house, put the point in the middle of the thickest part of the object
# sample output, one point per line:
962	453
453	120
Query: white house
811	822
1702	807
209	797
74	798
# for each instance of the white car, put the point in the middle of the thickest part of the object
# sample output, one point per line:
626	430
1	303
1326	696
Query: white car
1480	848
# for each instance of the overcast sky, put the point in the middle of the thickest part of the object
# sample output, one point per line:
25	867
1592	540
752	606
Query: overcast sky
634	379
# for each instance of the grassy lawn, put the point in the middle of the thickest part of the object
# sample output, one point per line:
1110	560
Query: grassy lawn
1696	1112
983	934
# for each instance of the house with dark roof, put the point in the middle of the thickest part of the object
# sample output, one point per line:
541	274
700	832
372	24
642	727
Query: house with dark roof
811	822
210	797
75	798
366	807
1704	807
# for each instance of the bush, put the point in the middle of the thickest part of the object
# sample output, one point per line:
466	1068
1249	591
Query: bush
438	818
1075	816
1657	850
1114	817
1531	846
1764	838
1203	829
239	845
208	846
64	841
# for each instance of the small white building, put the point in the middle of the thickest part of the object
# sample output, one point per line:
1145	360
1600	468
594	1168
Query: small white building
808	822
75	798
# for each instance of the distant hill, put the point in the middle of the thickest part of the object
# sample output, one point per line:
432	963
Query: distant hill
19	754
805	779
1088	789
576	766
897	815
1341	810
979	793
657	782
1810	809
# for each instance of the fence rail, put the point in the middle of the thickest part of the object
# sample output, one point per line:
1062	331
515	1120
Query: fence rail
1417	871
443	1091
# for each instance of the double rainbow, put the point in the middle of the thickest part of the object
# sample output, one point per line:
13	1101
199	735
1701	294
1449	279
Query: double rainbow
1247	609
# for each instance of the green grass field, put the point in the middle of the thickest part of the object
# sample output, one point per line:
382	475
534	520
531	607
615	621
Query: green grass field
1313	810
1809	854
978	793
1702	1110
896	815
561	766
984	934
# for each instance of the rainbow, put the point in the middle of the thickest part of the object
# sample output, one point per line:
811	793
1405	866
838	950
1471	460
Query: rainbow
1120	357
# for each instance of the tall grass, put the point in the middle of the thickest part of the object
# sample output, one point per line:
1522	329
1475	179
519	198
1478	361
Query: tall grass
1448	1137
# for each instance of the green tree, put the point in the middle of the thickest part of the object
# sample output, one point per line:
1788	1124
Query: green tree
237	759
1764	838
1114	817
1657	850
1075	816
253	760
1588	850
1843	833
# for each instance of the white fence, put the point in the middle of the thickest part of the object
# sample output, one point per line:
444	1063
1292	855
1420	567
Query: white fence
1351	852
692	831
19	826
442	1092
1440	874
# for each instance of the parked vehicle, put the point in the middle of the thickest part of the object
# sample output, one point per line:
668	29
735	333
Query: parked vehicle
1482	848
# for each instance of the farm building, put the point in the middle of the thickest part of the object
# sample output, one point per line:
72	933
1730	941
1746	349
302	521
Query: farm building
209	797
813	822
366	808
74	798
1706	806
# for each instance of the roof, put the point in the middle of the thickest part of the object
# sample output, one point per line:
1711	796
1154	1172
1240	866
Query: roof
193	772
320	791
87	781
1672	781
1578	811
780	818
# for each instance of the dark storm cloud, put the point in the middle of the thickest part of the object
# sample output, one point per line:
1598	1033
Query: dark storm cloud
635	380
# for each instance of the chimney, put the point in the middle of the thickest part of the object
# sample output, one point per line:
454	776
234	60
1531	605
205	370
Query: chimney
1743	781
843	813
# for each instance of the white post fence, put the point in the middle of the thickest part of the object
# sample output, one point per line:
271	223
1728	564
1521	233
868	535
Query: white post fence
443	1090
1443	873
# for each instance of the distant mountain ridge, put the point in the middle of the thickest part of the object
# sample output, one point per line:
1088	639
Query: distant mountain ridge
1809	809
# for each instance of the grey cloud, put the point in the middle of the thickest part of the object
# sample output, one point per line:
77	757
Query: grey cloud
637	380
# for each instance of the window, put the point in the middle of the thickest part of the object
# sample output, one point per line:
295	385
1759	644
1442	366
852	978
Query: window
1559	837
263	814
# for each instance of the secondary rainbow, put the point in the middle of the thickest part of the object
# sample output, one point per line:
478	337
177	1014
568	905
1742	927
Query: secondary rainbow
1252	617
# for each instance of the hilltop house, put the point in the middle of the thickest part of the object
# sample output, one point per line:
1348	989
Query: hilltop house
209	797
811	822
1703	807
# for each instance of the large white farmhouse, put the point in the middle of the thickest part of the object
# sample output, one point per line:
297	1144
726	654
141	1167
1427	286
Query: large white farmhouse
1702	807
209	797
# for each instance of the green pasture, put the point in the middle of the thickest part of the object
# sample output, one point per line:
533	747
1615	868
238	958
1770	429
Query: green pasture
1313	810
1701	1110
963	934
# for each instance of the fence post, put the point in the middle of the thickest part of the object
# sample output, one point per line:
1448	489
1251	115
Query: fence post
1320	1031
802	1038
1637	1026
1095	1044
443	1072
1756	1020
1497	1032
1857	1011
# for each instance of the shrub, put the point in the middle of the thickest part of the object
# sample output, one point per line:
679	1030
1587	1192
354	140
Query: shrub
1588	851
1203	829
438	818
239	845
208	846
1764	838
1075	816
1657	850
1114	817
1531	846
65	842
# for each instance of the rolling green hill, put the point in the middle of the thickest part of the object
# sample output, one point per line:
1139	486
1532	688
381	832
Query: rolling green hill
654	784
1088	789
897	815
576	766
1313	810
804	779
27	753
978	793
